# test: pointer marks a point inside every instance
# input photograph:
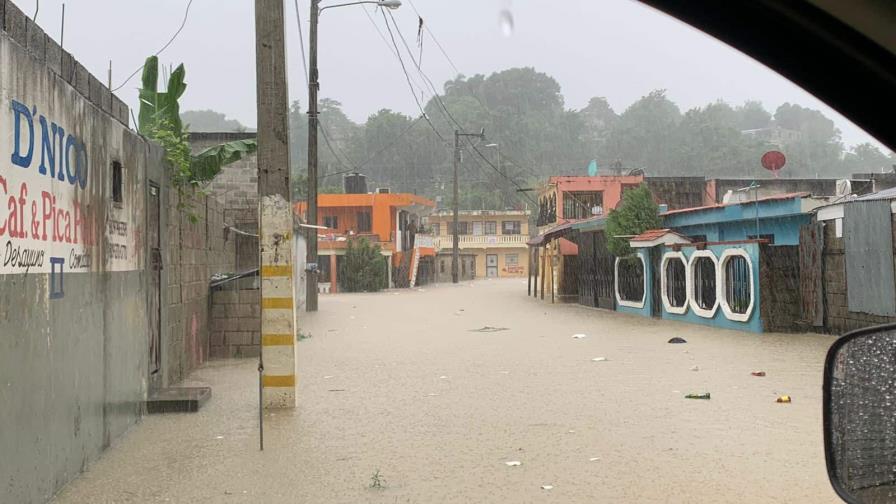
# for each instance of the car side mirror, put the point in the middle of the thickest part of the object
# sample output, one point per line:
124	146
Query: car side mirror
860	415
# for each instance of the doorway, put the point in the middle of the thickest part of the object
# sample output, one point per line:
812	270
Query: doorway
491	265
155	283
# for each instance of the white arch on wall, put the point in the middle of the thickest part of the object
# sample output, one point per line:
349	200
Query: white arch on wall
619	300
692	300
667	257
721	282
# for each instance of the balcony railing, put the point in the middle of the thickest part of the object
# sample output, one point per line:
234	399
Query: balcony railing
481	241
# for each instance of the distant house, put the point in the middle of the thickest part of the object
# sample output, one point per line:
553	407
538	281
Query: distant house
390	220
494	239
775	134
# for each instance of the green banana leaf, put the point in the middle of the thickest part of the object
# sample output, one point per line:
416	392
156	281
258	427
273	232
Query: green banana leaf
156	107
209	162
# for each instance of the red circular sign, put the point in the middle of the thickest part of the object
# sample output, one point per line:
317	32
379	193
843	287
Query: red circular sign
773	160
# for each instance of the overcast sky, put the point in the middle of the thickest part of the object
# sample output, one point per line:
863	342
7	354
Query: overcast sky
618	49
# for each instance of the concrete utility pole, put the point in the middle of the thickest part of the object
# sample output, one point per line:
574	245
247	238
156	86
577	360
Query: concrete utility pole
278	354
313	85
455	245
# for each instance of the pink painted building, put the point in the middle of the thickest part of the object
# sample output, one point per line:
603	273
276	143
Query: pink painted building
571	198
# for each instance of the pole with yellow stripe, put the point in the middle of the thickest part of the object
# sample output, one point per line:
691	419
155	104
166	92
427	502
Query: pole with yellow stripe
278	349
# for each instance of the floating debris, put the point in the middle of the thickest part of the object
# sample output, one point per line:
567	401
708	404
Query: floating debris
697	396
599	359
593	459
758	373
443	377
695	368
783	399
489	329
547	487
513	463
677	340
578	336
328	377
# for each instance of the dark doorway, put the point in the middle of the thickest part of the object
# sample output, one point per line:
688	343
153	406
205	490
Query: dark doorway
155	282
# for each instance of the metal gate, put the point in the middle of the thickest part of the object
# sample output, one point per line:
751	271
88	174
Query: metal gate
155	283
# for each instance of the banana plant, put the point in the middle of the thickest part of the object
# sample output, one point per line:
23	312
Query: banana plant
161	111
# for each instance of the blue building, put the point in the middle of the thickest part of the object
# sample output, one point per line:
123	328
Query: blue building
776	219
706	266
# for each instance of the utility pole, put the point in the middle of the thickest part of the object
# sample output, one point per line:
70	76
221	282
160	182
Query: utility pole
455	245
313	85
277	363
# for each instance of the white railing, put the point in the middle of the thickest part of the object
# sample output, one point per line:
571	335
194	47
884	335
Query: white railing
479	241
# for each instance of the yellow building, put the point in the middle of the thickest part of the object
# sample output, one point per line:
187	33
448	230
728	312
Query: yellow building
496	239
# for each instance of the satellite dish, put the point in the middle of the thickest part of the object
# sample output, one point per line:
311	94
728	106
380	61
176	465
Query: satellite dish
773	161
844	188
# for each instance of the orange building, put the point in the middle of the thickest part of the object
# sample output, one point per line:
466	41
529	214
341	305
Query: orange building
390	220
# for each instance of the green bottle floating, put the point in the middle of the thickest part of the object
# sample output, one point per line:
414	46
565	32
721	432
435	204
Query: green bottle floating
697	396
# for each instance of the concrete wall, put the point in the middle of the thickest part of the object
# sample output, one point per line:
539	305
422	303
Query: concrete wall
73	344
678	192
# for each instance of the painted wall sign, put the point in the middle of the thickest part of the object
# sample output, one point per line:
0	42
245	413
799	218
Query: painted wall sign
49	213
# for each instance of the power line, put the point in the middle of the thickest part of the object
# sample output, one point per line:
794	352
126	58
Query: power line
408	78
447	112
182	24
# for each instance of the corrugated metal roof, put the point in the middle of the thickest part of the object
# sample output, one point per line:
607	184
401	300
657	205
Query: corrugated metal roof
885	194
775	197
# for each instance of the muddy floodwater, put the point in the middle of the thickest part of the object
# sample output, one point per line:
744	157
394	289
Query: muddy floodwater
397	384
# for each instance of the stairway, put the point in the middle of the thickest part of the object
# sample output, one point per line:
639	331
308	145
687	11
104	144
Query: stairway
415	265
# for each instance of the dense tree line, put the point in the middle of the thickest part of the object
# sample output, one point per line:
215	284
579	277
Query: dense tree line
531	134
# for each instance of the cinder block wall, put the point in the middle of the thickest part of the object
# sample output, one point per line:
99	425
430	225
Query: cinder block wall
236	323
197	250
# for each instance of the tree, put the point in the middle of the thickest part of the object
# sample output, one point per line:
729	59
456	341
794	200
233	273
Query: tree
635	214
752	115
363	267
211	121
646	134
598	119
867	158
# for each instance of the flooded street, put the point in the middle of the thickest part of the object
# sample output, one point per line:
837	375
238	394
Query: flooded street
399	383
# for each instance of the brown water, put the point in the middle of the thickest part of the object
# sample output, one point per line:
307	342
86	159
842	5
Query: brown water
397	382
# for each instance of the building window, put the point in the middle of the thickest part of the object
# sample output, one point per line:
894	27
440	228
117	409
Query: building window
582	204
331	221
703	279
630	281
477	228
699	238
674	283
511	260
491	227
364	224
737	284
510	227
436	228
117	183
462	228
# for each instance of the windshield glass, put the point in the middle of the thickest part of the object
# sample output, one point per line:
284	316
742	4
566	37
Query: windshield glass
420	251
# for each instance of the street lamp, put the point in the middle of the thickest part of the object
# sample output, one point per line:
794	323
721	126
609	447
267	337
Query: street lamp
313	86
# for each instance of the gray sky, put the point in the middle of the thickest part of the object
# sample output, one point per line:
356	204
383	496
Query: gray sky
619	49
